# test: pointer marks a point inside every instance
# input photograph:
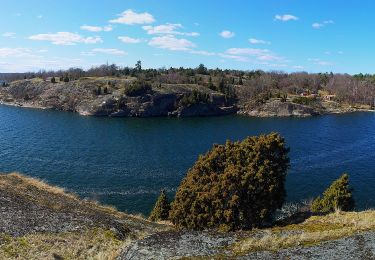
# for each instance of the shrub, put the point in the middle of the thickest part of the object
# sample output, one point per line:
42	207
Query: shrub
195	97
137	88
161	209
234	186
66	79
53	80
337	196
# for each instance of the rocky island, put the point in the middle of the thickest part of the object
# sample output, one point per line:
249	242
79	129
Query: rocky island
131	97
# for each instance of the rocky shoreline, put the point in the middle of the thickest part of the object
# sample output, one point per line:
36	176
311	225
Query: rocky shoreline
163	101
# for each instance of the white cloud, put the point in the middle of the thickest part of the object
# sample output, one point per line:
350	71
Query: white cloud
322	24
204	53
258	56
16	52
286	17
65	38
320	62
234	57
126	39
257	41
227	34
87	53
9	35
115	52
247	51
170	42
168	28
130	17
96	28
298	67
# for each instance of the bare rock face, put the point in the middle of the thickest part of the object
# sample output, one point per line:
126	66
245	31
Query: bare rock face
81	96
276	108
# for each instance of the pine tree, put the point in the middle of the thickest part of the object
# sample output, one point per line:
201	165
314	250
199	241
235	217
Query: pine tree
337	196
161	209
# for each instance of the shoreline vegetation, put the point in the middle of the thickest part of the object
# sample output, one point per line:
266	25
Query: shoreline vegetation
66	227
231	204
114	91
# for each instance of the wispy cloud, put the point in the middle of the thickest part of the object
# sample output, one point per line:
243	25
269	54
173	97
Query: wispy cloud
65	38
16	53
286	17
115	52
204	53
170	42
126	39
130	17
9	35
257	41
96	28
39	16
322	24
227	34
260	56
169	28
320	62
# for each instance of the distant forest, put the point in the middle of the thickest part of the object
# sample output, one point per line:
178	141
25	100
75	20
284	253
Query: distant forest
248	85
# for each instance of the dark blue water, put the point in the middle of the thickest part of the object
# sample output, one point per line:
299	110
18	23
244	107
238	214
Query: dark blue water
126	162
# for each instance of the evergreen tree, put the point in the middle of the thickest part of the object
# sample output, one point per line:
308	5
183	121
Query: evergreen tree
53	80
138	66
337	196
234	186
202	69
161	209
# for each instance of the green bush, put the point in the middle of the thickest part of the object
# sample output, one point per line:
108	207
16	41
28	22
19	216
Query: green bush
193	98
137	88
161	209
234	186
337	196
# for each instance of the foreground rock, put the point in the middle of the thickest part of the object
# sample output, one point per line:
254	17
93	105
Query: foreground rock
38	221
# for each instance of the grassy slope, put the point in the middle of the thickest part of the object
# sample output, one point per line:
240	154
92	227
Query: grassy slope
100	242
312	231
94	239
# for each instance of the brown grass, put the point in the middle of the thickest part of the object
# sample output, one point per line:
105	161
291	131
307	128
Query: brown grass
313	231
92	244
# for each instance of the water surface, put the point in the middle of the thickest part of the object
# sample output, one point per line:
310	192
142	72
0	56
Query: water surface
125	162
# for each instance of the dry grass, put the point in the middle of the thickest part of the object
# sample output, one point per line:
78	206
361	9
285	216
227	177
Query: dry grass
92	244
313	231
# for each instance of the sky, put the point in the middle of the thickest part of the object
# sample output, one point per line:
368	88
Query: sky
272	35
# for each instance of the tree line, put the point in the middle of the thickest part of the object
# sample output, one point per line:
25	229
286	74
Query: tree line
248	85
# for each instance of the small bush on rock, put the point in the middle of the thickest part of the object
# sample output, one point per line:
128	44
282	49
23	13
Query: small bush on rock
137	88
234	186
337	196
161	209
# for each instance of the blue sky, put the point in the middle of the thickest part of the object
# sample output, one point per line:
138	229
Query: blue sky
287	35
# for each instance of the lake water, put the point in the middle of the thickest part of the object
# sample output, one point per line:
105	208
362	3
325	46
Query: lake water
125	162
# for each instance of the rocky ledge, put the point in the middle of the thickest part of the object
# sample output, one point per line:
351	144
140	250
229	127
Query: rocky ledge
105	97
